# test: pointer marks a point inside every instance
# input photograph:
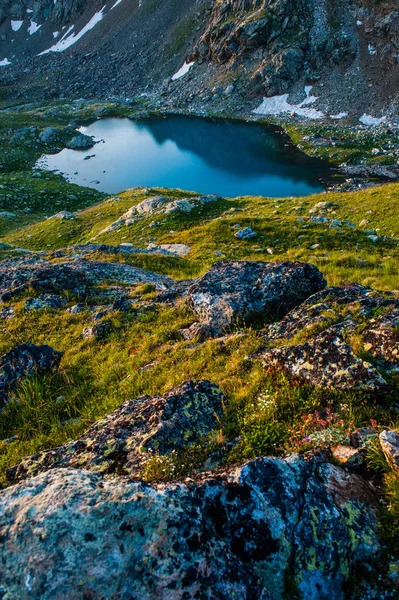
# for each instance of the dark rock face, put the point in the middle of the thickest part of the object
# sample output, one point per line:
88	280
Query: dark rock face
80	142
46	301
16	275
239	534
24	361
243	290
124	441
327	360
288	36
330	319
381	339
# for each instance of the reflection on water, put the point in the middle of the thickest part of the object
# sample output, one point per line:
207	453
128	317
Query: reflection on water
231	159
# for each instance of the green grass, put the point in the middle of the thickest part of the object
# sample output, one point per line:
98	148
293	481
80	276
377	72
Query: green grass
266	413
344	144
282	225
264	409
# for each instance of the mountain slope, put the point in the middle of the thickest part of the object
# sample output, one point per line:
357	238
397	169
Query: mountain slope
347	50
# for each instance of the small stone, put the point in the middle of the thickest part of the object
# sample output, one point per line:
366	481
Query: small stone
246	234
197	331
345	455
389	441
97	331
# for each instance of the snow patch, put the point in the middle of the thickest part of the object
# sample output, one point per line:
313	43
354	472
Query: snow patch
33	27
181	72
341	115
4	62
371	121
56	34
16	25
277	105
372	50
116	4
359	23
69	40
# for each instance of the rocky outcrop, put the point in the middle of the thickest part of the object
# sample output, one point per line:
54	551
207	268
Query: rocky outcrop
243	291
17	275
326	360
248	532
125	440
290	38
59	12
339	328
243	50
22	361
158	205
80	142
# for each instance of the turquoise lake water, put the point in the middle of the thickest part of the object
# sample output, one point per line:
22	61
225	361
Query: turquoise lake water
203	155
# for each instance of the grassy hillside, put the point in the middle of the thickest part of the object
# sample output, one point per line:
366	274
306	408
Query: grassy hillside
349	236
284	230
145	354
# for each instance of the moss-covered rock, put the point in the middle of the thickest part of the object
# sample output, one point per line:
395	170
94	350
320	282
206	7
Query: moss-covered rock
259	531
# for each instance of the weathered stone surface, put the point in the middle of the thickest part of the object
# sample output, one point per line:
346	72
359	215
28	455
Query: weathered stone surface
197	331
240	534
328	319
45	301
381	338
7	312
16	275
243	290
173	249
159	205
97	331
24	361
80	142
324	308
97	272
347	456
64	215
148	206
245	234
125	439
327	360
48	135
390	445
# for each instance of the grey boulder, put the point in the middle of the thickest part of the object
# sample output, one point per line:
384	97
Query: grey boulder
244	290
247	532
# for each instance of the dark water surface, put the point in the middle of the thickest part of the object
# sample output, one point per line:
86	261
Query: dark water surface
208	156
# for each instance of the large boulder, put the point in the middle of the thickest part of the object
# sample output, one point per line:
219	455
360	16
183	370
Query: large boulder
256	531
342	337
125	440
22	361
80	142
327	360
243	290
